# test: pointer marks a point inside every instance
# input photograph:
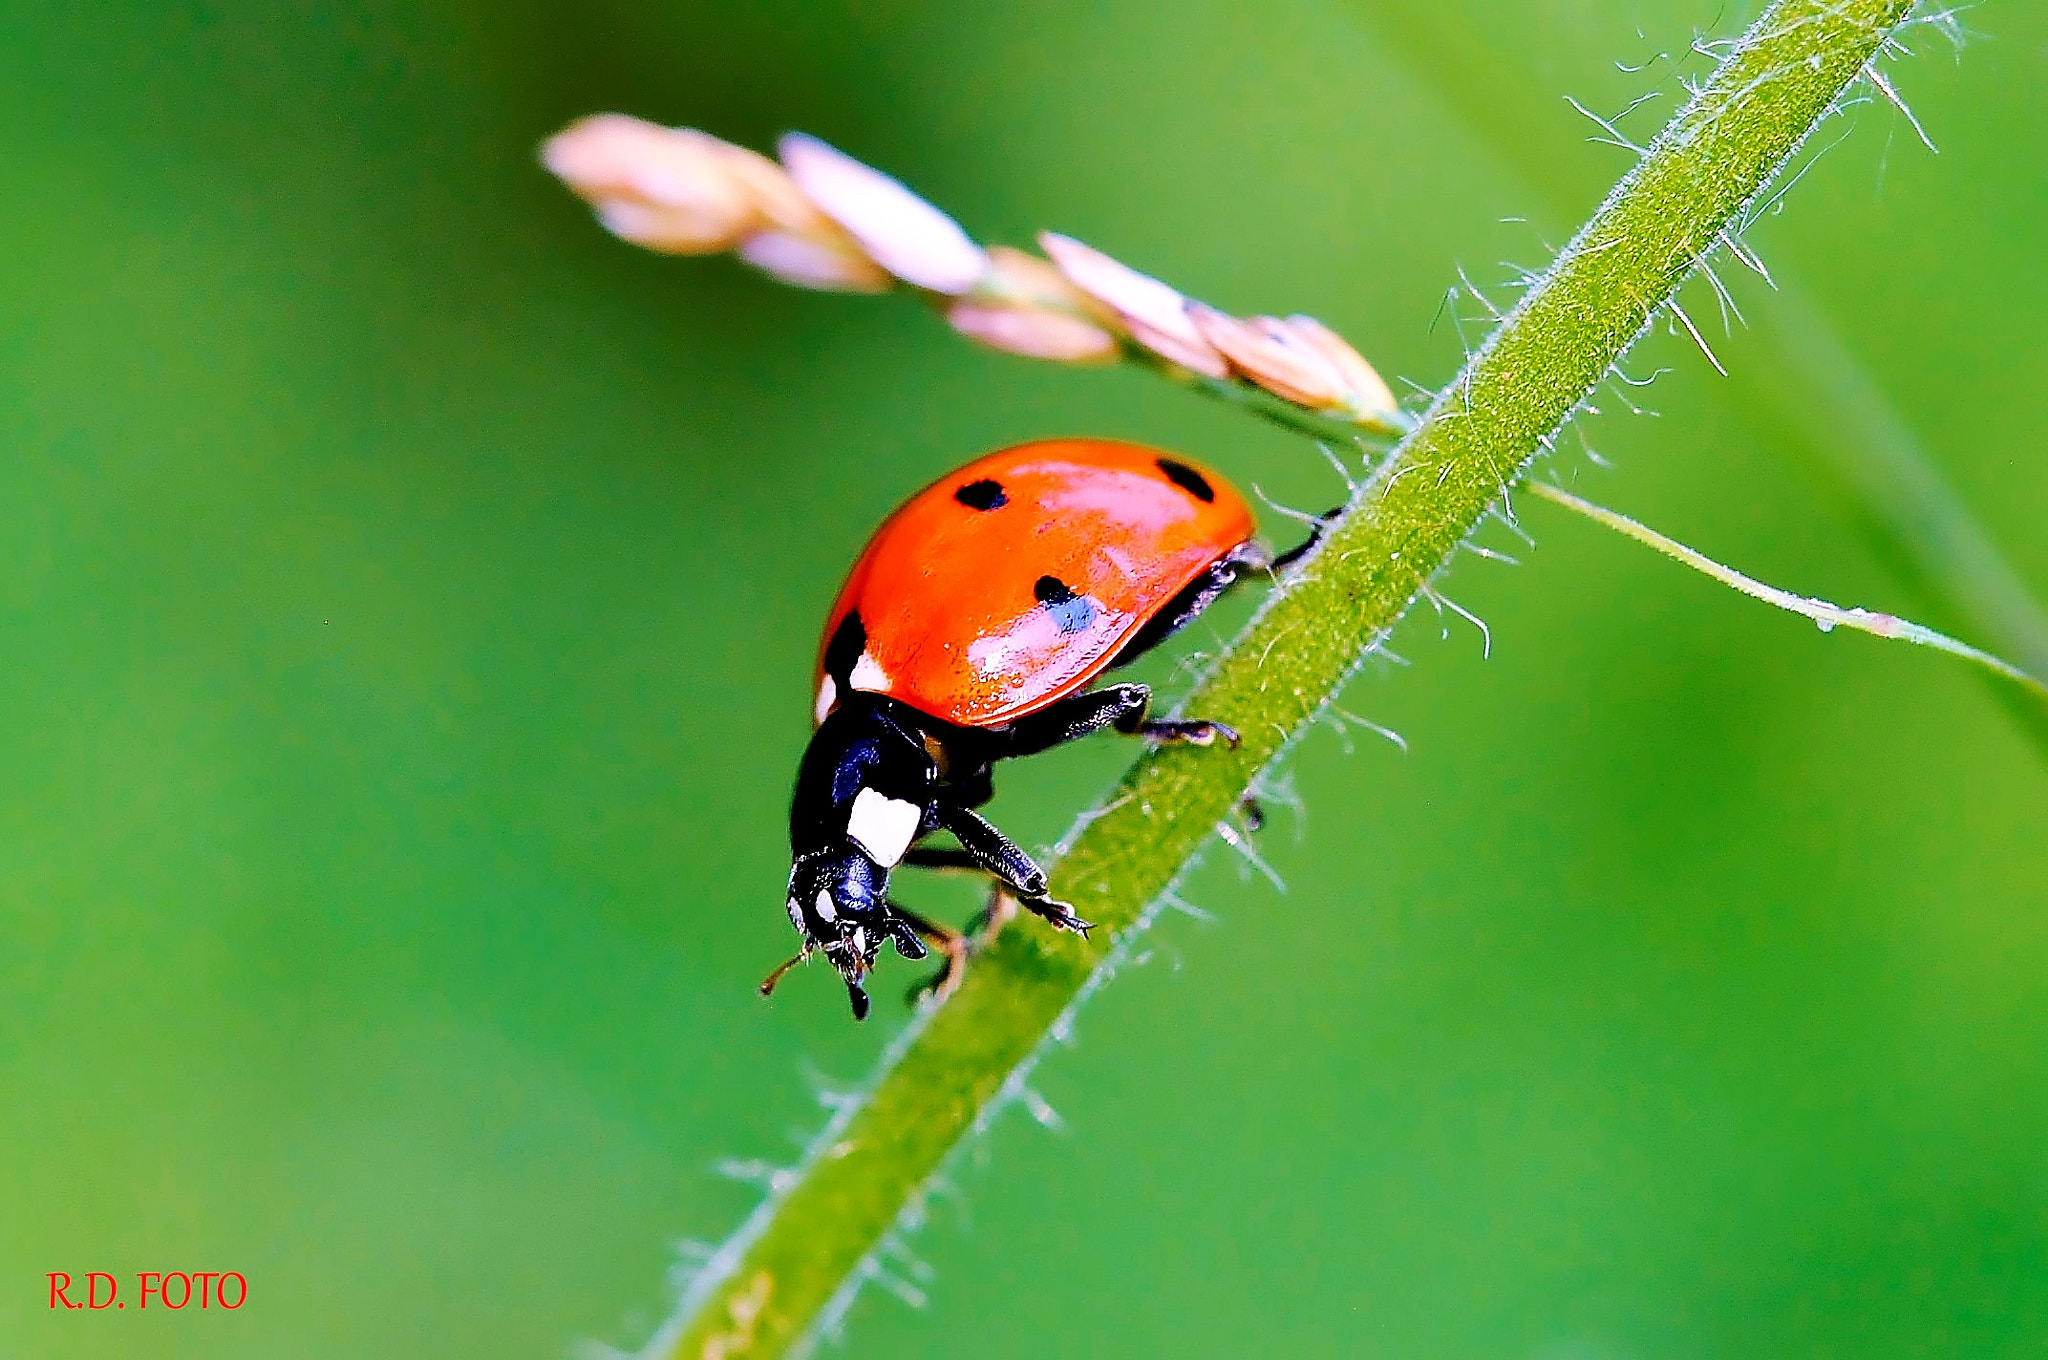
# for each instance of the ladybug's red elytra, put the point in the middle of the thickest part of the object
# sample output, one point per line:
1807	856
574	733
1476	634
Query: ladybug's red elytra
968	632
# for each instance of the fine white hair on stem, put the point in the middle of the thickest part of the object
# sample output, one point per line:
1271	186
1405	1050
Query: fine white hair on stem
1039	1108
1472	289
1173	901
1504	513
900	1287
1678	313
1731	310
1634	407
1249	854
1277	789
1592	454
1276	640
892	1244
830	1093
1614	135
1742	251
1642	65
1449	308
1346	719
1521	277
1087	819
1441	602
828	1324
1281	508
769	1176
1884	87
1769	203
1330	456
1187	667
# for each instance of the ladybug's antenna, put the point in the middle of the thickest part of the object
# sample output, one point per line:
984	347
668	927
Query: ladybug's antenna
768	983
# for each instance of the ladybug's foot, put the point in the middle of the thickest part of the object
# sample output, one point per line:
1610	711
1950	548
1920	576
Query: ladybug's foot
946	981
1199	732
950	943
1059	914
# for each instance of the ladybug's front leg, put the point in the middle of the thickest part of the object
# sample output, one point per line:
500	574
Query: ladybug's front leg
1193	731
1006	860
952	944
955	945
1120	706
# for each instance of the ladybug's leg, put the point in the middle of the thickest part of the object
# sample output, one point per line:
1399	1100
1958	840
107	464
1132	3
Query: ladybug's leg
1002	857
1073	718
937	857
1194	732
1120	706
1315	536
947	941
955	945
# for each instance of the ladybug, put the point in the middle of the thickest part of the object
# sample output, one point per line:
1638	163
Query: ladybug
971	630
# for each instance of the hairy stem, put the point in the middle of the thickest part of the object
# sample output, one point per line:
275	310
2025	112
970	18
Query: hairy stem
1800	376
789	1273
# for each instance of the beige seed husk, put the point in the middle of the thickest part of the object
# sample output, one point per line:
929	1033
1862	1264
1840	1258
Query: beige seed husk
666	189
1033	334
1155	313
1366	392
897	229
1303	378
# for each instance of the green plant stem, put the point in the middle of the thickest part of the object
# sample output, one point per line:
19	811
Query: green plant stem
1799	377
795	1265
1823	612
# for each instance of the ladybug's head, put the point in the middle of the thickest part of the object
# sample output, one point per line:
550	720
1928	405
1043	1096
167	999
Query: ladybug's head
863	794
837	903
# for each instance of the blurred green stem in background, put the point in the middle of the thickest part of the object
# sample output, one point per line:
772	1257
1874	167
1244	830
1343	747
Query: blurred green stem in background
787	1277
1826	614
1799	376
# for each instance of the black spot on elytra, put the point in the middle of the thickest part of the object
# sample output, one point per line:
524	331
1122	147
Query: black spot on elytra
1187	479
1072	612
982	495
849	639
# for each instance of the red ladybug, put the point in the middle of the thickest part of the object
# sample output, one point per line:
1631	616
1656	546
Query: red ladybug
969	632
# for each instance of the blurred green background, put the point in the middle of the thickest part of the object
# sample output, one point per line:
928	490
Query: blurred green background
407	595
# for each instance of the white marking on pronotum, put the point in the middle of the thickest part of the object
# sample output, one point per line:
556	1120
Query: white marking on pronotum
828	695
867	674
826	912
883	826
